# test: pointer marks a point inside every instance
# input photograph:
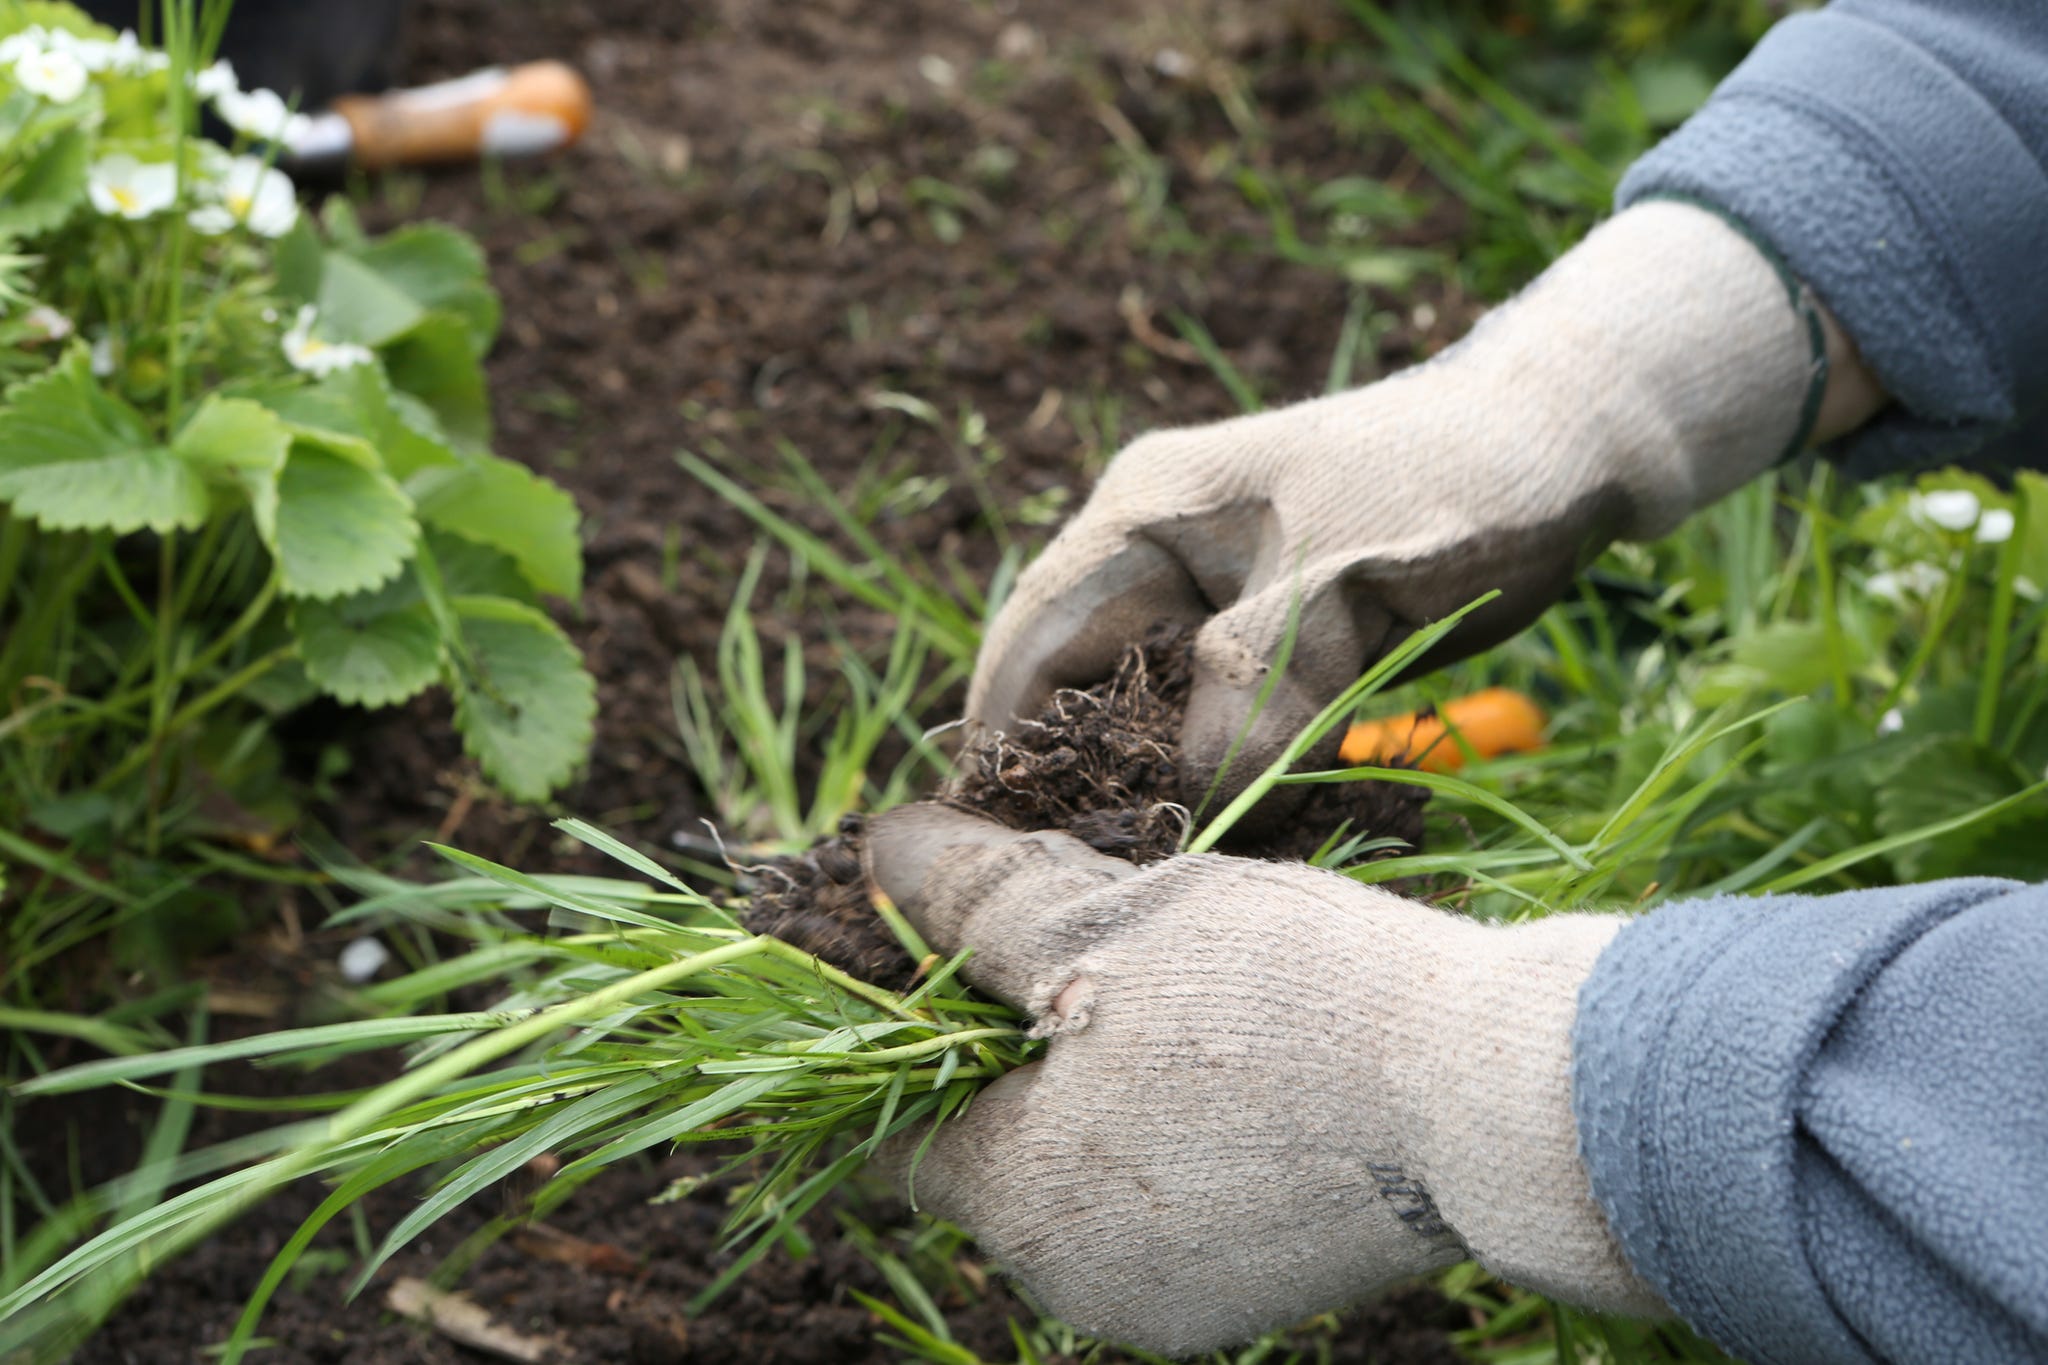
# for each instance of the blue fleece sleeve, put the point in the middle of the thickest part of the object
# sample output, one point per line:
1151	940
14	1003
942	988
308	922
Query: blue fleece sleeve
1819	1124
1895	153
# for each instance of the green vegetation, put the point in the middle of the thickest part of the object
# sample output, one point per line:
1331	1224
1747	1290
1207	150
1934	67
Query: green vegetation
244	464
1811	686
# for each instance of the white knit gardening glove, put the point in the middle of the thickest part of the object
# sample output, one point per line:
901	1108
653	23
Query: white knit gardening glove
1657	366
1268	1090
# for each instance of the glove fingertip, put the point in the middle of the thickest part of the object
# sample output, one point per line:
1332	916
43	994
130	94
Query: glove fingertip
903	844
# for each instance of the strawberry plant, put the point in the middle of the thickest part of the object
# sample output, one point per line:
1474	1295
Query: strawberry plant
244	463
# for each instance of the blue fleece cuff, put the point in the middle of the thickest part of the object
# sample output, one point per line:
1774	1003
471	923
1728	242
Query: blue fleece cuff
1903	198
1695	1034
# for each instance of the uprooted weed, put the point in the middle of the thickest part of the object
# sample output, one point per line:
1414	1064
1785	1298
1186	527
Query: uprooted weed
1102	763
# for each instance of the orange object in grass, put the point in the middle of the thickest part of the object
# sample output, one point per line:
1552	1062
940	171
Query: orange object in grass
1498	720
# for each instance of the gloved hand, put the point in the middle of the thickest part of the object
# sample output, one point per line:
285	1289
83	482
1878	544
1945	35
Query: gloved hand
1657	366
1268	1089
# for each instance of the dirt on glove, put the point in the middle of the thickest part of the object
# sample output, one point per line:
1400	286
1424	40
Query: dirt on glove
1103	764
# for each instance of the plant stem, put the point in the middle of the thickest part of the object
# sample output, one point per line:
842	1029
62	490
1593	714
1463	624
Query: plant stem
198	707
853	985
243	624
1824	576
2002	603
180	37
1944	611
163	690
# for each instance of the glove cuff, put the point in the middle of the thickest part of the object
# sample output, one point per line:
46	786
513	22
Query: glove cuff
1496	1139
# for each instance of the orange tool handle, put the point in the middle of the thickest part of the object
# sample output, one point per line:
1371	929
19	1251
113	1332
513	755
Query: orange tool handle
497	112
1498	720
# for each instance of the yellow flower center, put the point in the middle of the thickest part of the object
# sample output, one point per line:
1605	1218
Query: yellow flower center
125	198
240	204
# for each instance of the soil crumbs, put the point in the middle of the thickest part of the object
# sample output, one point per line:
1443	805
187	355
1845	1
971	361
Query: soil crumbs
1101	763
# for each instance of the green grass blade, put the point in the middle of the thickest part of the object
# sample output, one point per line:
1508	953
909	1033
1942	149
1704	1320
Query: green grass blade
1450	786
1878	848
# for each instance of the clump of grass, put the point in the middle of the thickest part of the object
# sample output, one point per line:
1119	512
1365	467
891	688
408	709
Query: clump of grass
658	1020
748	732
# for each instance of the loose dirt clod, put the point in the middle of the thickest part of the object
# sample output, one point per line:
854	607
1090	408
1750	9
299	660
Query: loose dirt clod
1101	763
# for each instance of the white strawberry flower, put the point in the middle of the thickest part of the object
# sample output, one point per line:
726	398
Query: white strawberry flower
124	53
217	80
26	43
1952	509
261	114
1995	526
314	356
252	194
100	356
122	187
54	74
52	324
1910	580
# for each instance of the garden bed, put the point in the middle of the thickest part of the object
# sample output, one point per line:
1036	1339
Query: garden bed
755	249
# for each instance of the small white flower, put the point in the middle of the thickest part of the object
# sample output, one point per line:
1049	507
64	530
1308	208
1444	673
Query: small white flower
27	43
250	193
314	356
1952	509
361	959
1912	580
101	356
217	80
1891	722
125	53
261	114
56	75
52	324
1995	526
122	187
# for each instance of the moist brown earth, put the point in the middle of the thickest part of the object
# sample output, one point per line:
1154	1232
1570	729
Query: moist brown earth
1101	763
788	218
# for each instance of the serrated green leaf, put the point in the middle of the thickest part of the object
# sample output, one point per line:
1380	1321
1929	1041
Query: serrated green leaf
354	413
74	457
358	305
434	363
507	506
47	187
337	528
527	713
373	649
472	570
442	270
233	436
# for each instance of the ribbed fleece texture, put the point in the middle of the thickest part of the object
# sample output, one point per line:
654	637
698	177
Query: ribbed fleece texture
1819	1124
1895	152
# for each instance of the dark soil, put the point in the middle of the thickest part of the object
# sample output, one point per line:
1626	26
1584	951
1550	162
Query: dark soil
1101	763
743	257
783	212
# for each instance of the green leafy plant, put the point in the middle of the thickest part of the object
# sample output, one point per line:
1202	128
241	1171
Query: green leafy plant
244	463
